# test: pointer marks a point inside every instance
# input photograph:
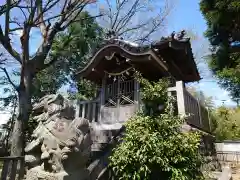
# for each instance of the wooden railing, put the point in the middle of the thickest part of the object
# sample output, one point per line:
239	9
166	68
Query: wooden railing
13	168
89	110
188	105
228	157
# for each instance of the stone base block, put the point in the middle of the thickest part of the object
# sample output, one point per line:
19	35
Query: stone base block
38	174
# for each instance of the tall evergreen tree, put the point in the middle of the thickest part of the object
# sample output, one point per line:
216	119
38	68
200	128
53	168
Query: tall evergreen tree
85	35
223	21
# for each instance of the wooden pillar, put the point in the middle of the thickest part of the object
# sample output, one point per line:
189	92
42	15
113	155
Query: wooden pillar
136	94
118	97
83	110
102	97
200	113
209	120
94	112
77	108
180	97
180	88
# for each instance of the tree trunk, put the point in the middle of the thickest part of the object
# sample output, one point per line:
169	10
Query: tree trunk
24	111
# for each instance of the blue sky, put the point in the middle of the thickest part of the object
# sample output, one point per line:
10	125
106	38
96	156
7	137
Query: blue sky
186	15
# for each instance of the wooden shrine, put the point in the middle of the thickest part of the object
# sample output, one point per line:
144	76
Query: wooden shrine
112	67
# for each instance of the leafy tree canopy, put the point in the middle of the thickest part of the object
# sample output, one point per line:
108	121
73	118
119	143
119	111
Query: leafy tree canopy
85	36
83	90
205	100
228	123
223	20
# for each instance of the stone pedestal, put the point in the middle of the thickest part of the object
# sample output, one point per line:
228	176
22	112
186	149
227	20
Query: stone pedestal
37	173
102	134
61	144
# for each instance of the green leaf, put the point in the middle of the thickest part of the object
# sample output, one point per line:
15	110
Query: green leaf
153	145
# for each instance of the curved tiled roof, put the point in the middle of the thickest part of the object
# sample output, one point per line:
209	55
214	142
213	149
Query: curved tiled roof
132	50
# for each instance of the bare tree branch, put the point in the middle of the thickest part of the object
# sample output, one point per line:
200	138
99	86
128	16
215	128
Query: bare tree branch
2	60
71	20
154	28
50	18
64	6
41	11
7	14
24	14
4	8
8	78
135	18
15	29
15	22
42	25
82	19
133	28
119	7
39	67
33	11
128	15
5	41
110	11
69	12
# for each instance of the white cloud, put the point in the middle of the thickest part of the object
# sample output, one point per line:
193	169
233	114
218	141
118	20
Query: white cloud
225	93
228	101
19	32
201	84
4	117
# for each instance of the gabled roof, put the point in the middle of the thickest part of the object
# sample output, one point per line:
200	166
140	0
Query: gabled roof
163	58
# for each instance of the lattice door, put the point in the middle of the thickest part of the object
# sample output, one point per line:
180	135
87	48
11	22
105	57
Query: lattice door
119	99
119	93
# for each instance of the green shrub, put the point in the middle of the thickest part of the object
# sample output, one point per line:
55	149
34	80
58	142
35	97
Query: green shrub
154	147
228	124
153	94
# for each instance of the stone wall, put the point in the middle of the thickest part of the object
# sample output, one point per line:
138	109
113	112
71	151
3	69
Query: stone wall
228	151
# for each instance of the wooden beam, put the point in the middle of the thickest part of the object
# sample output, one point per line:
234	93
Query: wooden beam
158	58
235	49
178	70
177	45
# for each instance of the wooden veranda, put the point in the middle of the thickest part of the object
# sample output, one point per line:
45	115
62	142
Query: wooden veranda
186	104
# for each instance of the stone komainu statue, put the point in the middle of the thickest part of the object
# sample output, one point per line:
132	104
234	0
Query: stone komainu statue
61	145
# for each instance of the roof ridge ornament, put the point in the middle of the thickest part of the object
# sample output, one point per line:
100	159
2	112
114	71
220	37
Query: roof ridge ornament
133	44
180	36
110	36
